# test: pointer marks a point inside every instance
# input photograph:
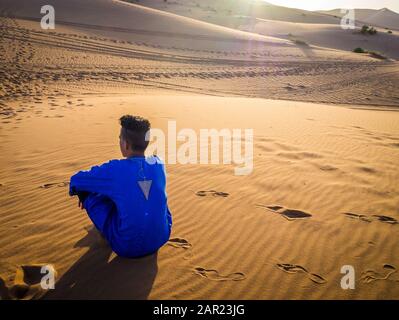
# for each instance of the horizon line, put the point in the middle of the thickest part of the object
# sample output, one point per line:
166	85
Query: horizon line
331	9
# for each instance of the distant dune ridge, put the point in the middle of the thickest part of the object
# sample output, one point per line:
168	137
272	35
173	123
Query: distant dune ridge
120	14
265	10
323	192
321	28
384	17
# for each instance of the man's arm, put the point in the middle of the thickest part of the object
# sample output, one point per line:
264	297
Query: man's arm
99	179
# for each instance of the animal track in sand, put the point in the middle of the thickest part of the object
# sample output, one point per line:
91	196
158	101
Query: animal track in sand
363	217
55	184
203	193
289	214
295	268
369	276
214	275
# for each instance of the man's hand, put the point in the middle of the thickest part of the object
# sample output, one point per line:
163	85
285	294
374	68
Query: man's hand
82	197
80	204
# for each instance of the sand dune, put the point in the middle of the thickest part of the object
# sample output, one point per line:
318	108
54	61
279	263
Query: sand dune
316	28
323	192
221	11
208	9
384	18
121	16
329	36
36	62
381	18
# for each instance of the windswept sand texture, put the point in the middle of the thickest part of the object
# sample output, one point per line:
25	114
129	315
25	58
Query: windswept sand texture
324	191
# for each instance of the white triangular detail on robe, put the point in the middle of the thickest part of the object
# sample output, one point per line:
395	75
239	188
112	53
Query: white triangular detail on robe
145	186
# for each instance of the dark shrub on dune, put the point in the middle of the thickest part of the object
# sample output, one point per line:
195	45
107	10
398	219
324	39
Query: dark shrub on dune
368	30
373	54
359	50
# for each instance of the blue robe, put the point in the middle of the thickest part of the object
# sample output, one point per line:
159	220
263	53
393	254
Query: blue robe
134	223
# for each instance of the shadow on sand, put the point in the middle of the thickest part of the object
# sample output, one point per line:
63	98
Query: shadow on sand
93	276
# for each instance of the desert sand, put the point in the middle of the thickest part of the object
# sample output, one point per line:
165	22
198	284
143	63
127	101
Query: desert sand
324	189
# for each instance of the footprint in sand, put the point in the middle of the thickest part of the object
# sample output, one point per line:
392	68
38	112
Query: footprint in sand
356	216
328	167
182	244
179	243
27	283
365	218
52	185
369	276
386	219
289	214
288	87
295	268
214	275
203	193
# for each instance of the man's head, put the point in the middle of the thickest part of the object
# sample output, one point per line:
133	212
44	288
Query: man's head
132	138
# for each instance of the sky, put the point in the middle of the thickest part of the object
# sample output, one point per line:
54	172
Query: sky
334	4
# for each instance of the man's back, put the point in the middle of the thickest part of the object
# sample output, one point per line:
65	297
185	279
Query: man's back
133	213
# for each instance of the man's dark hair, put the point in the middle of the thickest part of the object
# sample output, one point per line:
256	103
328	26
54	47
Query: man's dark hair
134	129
